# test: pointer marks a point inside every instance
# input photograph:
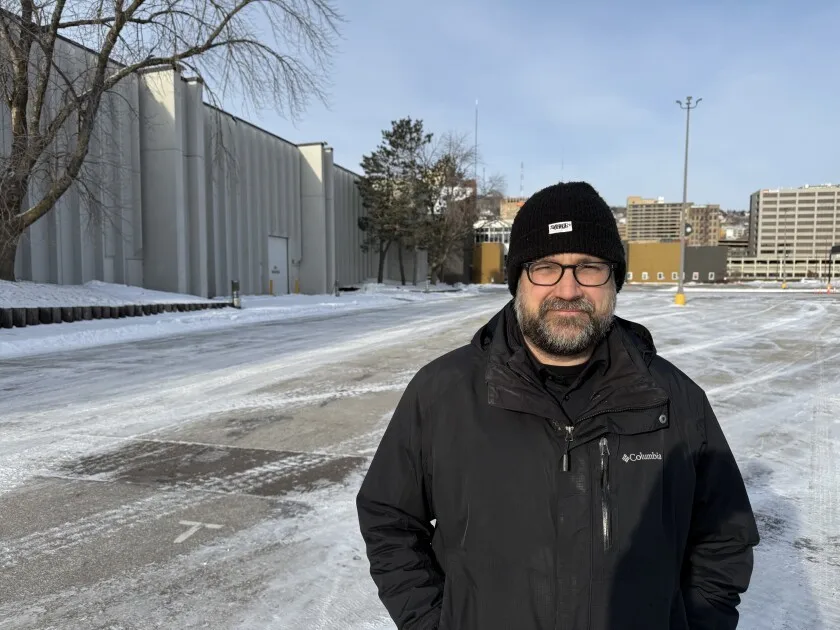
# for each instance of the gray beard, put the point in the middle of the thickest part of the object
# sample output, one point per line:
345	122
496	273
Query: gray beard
572	340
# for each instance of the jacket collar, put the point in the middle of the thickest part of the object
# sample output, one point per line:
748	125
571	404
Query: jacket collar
617	375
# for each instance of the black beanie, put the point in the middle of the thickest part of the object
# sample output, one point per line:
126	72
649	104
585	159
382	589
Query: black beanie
564	218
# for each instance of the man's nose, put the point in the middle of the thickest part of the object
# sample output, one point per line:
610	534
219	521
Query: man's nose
568	288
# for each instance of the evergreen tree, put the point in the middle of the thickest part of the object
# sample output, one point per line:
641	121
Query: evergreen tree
393	190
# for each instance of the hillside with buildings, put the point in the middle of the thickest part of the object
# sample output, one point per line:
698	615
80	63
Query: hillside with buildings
784	235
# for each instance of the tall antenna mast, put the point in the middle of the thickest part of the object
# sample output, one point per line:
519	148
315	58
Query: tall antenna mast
475	149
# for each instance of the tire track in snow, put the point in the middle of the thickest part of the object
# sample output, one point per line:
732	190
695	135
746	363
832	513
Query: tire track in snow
178	399
762	375
823	503
164	502
731	339
276	574
32	445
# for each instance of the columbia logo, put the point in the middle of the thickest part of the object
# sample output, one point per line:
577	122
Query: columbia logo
637	457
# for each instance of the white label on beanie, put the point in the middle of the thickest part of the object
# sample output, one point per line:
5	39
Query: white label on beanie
563	226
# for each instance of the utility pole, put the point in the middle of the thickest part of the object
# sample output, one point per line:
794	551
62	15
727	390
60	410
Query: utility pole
680	297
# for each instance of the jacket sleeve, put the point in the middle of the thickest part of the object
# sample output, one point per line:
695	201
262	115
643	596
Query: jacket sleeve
395	521
722	536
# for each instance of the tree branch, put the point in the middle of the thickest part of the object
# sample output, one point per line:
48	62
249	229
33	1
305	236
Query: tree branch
145	34
45	71
108	21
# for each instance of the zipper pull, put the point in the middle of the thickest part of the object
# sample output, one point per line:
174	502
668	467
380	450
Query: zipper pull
569	437
605	461
605	450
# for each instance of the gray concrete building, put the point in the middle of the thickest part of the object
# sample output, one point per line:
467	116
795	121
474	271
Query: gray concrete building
791	232
180	196
797	222
658	220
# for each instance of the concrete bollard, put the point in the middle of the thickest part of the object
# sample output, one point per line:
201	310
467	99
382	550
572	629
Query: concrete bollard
236	300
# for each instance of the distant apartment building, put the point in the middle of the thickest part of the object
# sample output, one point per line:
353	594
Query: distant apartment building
658	220
705	225
620	215
622	228
733	233
791	233
799	222
510	206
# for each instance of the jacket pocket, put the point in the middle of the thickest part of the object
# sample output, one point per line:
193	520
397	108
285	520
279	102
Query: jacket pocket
482	594
458	605
638	492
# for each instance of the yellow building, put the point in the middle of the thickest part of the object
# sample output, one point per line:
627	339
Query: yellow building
653	262
488	263
659	262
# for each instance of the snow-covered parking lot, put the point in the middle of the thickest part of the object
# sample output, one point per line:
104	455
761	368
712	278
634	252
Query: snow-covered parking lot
204	476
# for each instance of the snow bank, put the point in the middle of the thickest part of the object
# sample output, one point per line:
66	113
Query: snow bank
18	342
94	293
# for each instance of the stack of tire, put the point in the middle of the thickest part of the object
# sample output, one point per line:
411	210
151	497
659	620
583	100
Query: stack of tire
35	315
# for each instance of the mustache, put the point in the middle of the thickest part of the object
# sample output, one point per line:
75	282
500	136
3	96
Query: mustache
558	304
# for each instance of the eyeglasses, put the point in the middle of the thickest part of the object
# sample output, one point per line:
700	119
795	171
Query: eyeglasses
546	273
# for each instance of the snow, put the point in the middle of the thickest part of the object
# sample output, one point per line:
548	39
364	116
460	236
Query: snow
94	293
769	362
32	340
758	286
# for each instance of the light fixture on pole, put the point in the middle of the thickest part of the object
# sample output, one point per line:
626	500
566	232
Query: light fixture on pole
687	106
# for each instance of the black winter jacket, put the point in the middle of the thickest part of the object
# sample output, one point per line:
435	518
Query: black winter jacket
491	505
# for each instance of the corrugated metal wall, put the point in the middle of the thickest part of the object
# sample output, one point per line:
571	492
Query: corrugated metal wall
253	192
190	197
94	231
352	264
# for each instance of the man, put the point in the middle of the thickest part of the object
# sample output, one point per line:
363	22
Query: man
576	480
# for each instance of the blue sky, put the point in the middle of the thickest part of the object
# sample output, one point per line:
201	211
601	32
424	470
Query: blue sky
587	90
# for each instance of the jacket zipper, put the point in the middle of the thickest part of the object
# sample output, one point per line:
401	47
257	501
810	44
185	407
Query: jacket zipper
570	430
605	493
570	435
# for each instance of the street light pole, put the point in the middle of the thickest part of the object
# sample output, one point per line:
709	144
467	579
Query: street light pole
680	297
785	252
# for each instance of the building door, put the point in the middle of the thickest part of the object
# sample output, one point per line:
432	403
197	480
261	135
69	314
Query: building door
278	265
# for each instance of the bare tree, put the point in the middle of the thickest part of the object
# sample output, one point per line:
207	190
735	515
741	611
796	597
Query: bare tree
452	201
270	52
491	193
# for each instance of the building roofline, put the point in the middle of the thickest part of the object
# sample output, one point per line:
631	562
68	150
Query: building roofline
161	67
237	119
344	168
